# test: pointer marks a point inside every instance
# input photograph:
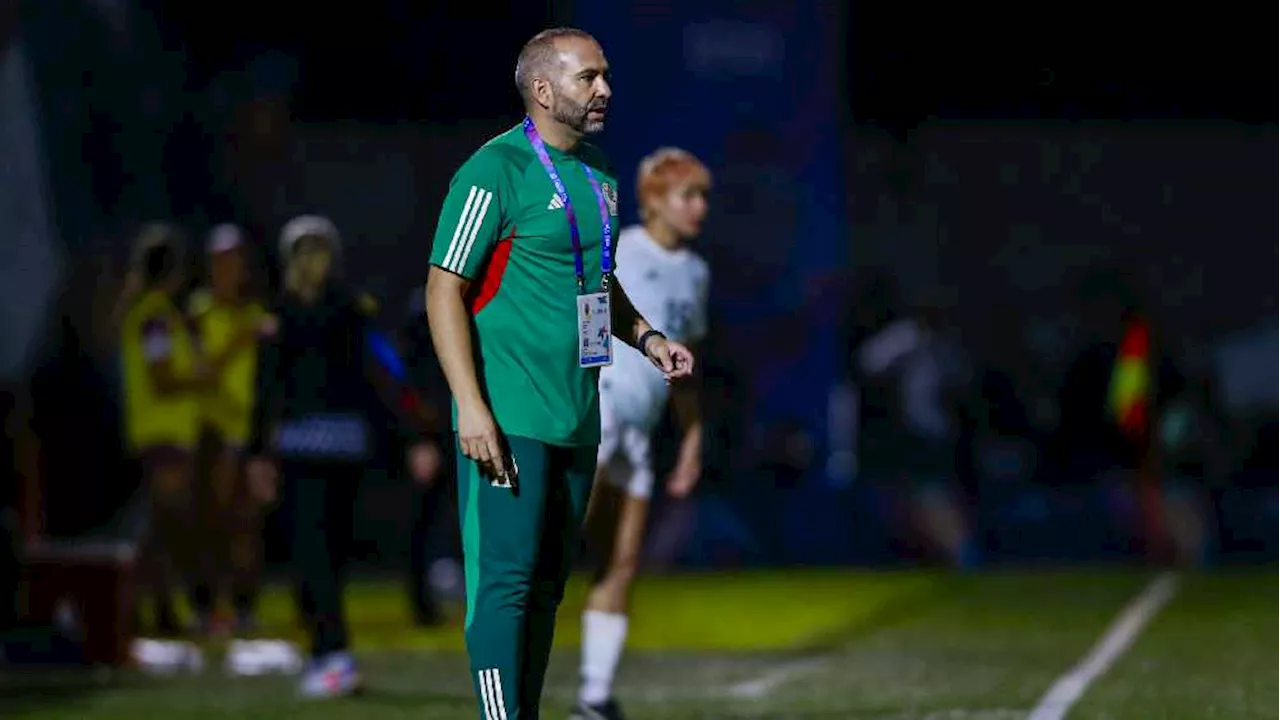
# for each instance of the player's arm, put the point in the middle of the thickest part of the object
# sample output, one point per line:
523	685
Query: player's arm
268	397
268	392
157	350
261	328
386	370
470	222
879	352
686	401
243	339
687	404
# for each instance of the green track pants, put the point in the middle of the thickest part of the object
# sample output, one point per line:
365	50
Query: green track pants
518	546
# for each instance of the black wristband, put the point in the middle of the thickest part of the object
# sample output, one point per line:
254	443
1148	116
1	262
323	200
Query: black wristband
644	340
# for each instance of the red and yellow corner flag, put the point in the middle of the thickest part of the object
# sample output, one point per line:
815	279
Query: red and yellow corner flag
1130	396
1130	401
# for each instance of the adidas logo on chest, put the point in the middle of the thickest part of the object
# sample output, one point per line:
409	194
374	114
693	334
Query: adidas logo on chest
556	203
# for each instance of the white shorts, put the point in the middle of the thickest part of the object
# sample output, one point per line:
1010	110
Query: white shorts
624	454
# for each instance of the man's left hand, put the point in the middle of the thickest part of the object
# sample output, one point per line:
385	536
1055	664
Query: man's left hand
673	359
425	461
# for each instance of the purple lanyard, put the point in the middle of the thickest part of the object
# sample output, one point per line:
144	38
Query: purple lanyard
606	225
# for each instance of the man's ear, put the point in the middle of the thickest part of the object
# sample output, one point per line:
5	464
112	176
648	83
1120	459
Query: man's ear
540	91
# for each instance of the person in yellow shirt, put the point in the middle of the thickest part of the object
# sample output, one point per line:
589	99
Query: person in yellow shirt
228	325
162	380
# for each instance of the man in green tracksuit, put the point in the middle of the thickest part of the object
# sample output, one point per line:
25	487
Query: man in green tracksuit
522	307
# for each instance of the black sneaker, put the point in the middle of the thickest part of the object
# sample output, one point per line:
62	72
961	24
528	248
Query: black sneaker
608	710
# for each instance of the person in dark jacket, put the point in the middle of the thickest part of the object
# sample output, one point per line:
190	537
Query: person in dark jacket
318	382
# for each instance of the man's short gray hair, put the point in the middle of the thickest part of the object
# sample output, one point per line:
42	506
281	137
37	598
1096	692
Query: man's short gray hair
539	53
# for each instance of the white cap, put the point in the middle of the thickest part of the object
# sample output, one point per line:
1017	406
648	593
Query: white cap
223	238
303	226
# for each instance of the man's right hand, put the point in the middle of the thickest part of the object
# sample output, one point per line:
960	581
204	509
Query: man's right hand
261	473
478	436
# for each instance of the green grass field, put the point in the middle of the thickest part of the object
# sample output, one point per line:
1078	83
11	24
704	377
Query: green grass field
796	644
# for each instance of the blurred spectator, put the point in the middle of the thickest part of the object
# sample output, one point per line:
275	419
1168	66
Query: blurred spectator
317	382
162	383
1191	433
228	324
927	368
872	307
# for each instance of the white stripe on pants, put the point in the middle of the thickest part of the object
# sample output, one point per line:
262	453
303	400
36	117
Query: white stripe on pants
495	708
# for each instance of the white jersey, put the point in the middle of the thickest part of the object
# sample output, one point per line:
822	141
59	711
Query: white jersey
669	289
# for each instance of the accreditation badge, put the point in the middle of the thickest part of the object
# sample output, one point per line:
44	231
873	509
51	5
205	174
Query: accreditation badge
595	330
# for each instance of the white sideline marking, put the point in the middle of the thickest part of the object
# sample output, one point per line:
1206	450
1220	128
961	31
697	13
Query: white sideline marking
1123	631
769	681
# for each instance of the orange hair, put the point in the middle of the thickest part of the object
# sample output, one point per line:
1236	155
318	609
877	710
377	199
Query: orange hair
666	168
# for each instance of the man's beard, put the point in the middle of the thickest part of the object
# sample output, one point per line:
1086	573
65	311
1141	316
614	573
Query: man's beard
573	114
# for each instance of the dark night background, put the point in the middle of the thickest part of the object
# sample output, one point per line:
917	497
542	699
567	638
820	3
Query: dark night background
1151	131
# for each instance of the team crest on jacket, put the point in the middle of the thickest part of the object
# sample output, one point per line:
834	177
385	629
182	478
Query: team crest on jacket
610	197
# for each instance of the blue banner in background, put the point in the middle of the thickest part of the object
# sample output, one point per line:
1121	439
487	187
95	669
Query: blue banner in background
752	88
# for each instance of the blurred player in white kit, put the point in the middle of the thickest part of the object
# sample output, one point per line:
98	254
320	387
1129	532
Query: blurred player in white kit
667	282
